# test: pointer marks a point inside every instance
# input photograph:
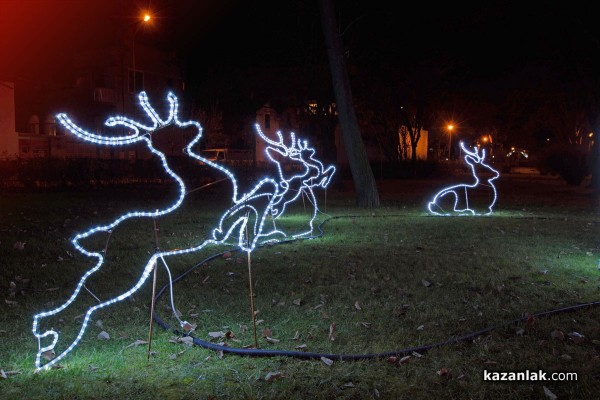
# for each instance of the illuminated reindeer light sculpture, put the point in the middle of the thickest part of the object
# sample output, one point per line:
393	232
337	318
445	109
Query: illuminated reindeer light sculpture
139	133
310	174
269	197
454	200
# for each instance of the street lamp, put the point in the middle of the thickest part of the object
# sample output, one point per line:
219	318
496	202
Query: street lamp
144	20
450	127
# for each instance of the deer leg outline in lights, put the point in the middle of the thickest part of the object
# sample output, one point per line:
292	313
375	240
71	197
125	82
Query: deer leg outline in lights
457	196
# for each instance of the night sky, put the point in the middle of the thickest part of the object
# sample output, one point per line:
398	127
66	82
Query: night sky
488	40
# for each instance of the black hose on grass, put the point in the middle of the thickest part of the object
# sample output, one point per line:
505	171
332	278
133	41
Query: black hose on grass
341	357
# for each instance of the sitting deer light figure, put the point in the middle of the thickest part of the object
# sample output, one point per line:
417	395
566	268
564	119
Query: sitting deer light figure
454	200
270	198
312	174
244	220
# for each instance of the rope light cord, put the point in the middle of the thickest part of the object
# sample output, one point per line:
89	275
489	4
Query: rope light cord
340	357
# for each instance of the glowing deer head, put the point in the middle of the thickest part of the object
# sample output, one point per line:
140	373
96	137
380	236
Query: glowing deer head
454	200
307	174
135	135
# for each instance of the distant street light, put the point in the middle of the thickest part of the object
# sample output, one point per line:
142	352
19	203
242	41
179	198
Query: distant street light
144	20
450	127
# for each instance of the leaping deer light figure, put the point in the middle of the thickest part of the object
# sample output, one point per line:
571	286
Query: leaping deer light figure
268	198
457	196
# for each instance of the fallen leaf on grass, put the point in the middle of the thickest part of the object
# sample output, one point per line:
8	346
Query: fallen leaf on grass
549	394
189	328
327	361
443	372
267	332
10	302
576	337
404	360
366	324
49	355
296	336
103	336
272	376
272	340
348	385
425	283
357	305
332	331
3	374
216	335
301	347
136	343
556	334
297	302
530	321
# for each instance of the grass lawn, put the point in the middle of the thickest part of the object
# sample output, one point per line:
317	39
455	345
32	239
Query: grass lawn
376	282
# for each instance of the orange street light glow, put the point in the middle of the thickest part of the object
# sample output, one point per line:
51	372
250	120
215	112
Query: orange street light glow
146	17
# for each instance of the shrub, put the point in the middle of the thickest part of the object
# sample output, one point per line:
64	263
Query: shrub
569	161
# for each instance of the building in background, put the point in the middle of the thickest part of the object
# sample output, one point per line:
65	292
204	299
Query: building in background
100	82
9	142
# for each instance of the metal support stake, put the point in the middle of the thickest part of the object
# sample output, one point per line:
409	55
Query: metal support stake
251	285
153	288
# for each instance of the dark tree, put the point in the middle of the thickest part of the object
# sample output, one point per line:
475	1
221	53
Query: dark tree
362	174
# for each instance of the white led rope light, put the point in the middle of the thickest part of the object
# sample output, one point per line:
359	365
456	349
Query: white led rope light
460	192
276	194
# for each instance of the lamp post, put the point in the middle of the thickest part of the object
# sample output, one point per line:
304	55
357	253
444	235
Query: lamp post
450	127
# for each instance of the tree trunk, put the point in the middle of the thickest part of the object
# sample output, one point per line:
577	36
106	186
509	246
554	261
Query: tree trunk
595	160
364	181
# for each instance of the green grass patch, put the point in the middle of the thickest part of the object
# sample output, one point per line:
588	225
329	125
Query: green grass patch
376	281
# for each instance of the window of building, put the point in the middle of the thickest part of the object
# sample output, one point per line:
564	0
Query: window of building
50	125
136	81
34	124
